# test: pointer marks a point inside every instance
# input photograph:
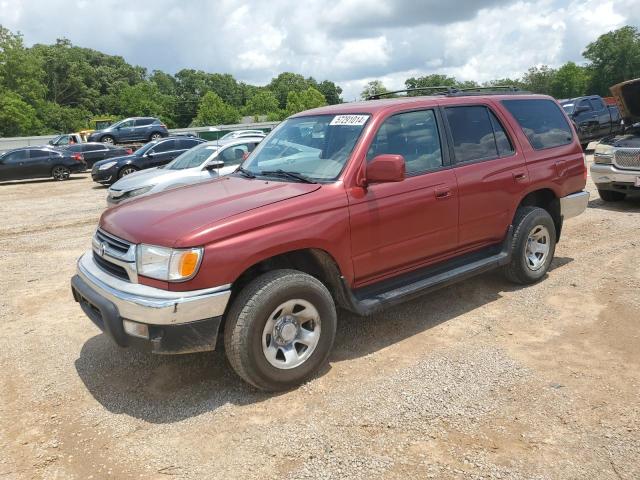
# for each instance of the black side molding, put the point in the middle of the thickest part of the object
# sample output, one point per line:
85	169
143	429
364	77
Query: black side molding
369	300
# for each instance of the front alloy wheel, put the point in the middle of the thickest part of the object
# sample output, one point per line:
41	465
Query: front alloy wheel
280	329
156	136
126	171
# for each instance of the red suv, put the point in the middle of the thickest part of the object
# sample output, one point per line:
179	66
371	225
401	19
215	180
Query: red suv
359	206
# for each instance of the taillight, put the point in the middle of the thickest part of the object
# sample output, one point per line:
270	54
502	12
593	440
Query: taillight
78	157
129	151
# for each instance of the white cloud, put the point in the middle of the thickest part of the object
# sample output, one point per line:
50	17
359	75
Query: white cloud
350	42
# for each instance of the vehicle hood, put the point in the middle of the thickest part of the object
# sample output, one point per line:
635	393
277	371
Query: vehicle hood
115	159
628	99
143	178
169	218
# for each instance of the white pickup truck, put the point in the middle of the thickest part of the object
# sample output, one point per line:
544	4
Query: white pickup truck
66	139
616	161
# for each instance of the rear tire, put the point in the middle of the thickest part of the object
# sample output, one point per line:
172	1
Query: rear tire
60	173
126	170
280	329
611	196
533	246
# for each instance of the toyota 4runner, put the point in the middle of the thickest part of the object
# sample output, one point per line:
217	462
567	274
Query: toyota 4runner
358	206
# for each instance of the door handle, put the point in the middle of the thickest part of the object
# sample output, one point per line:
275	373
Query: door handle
442	193
520	176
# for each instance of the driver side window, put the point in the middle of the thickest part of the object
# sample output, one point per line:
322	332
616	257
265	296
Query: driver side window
127	124
414	135
234	155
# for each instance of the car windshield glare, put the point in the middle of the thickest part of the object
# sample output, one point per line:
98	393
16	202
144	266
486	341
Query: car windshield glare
315	146
192	158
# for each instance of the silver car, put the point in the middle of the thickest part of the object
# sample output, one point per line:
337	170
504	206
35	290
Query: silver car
243	134
201	163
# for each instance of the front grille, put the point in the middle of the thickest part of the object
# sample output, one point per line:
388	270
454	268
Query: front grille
627	158
112	268
116	244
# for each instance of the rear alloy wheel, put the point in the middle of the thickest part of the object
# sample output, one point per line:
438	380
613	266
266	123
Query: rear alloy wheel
128	170
60	173
533	246
155	136
611	195
280	329
108	139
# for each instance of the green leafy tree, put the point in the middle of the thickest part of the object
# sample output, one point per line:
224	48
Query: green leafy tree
144	99
374	87
285	83
539	79
262	103
16	116
505	82
20	70
331	92
615	57
570	81
434	80
213	111
306	100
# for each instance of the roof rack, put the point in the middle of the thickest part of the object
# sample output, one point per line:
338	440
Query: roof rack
449	91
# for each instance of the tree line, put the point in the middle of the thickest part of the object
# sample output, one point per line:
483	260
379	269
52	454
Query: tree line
61	87
612	58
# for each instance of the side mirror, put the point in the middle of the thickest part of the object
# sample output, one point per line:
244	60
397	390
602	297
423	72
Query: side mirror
386	168
214	164
50	142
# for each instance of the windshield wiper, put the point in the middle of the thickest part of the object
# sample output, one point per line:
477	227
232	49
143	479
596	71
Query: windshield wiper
283	173
245	172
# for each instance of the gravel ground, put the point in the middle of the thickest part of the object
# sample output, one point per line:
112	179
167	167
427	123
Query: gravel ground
481	380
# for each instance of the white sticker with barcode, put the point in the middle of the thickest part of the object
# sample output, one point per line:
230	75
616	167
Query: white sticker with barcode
349	120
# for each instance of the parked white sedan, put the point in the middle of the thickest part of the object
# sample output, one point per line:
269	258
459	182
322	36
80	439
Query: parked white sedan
201	163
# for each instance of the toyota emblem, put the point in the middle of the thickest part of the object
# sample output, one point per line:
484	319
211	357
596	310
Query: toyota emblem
103	248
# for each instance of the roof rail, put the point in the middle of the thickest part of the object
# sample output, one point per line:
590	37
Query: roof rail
454	91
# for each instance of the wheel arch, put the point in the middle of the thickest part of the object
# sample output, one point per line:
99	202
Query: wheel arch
316	262
546	199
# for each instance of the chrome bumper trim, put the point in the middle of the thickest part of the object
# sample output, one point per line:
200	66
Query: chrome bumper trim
609	174
574	204
151	305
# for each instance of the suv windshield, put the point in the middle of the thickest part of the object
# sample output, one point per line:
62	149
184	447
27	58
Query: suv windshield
316	146
193	157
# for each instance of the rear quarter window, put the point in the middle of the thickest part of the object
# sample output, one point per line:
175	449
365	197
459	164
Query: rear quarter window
542	122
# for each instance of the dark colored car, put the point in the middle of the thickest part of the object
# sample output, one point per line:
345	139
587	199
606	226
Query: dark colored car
153	154
592	118
357	205
95	151
137	129
39	162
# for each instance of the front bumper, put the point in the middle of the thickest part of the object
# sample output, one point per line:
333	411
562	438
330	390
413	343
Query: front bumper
177	322
105	177
574	204
610	176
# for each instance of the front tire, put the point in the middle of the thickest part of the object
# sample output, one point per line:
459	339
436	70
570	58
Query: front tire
611	196
60	173
155	136
280	329
533	246
127	170
108	139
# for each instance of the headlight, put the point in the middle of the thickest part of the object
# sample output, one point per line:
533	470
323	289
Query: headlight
139	191
168	263
106	166
603	153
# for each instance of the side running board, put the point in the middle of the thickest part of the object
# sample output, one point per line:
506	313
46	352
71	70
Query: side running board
369	300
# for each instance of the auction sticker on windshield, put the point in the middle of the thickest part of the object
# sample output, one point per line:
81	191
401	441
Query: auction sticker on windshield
349	120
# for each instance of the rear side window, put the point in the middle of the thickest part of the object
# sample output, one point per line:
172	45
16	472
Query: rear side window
165	146
188	143
477	134
93	148
542	122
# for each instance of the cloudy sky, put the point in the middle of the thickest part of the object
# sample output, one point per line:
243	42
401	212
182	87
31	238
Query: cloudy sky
349	42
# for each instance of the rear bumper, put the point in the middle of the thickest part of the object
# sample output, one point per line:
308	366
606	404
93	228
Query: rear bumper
574	204
173	322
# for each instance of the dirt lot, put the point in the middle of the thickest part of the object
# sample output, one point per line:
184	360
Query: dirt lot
481	380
